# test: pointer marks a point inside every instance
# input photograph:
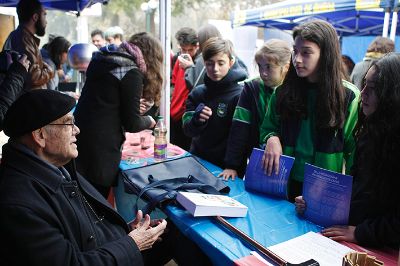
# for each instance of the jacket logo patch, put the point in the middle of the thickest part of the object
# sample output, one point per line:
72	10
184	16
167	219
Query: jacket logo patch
222	109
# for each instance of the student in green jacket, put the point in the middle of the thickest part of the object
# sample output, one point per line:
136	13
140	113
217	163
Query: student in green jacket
311	116
272	60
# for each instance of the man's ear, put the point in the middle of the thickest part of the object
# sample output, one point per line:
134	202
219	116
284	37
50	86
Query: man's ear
39	137
35	17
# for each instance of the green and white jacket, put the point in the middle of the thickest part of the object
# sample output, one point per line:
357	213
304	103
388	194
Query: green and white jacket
326	148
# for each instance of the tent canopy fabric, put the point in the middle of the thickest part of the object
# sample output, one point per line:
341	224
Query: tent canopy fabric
349	17
65	5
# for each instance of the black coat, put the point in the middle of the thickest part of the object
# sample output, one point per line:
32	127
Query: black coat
209	139
108	106
45	221
375	206
11	87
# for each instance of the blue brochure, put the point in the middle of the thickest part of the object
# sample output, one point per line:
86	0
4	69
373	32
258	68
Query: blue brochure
256	178
327	195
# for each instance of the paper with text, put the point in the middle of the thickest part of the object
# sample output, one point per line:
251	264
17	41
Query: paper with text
327	195
311	246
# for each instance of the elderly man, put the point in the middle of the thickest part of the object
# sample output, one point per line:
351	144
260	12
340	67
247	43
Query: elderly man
51	215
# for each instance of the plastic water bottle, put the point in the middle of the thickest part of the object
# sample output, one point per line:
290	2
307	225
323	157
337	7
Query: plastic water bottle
160	141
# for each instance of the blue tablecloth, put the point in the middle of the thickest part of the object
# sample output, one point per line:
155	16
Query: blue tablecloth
269	221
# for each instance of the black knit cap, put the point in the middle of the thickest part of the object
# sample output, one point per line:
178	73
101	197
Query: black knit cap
34	110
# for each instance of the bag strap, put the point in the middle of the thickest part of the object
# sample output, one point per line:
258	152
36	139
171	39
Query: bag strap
199	77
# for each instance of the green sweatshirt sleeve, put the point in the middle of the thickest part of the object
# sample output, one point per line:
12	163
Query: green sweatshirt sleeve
351	121
270	125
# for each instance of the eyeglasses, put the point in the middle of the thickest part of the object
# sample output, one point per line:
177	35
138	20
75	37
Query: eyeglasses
72	124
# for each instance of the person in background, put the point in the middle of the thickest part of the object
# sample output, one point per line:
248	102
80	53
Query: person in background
97	38
13	74
374	218
311	116
210	106
32	19
109	106
376	49
114	35
348	66
188	43
194	75
55	55
273	63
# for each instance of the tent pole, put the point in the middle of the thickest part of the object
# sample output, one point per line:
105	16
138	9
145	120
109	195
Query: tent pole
386	24
394	25
165	38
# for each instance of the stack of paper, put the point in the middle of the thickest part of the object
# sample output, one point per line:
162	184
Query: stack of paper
311	246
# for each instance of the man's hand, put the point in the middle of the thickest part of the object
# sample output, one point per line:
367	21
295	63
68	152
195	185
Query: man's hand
185	61
228	173
146	232
340	233
24	61
300	204
272	153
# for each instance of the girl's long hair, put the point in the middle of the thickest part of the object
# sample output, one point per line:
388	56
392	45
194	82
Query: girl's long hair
383	126
330	105
153	56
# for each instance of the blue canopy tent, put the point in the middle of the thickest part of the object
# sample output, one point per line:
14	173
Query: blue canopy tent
349	17
64	5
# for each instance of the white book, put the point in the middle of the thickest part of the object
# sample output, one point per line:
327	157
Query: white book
199	204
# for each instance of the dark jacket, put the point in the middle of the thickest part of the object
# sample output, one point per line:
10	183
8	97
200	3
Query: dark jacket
375	206
11	87
24	42
108	106
245	131
209	139
46	221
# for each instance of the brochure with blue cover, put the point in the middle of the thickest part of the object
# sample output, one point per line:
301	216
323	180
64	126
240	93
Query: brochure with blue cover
256	179
327	195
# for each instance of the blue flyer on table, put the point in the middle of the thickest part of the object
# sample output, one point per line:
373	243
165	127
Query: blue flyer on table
256	178
327	195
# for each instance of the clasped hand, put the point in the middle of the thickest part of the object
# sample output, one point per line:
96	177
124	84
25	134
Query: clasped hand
145	231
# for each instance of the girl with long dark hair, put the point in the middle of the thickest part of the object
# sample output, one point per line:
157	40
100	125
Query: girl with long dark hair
374	218
313	114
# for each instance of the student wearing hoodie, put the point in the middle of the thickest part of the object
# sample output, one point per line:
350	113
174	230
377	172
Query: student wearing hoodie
210	106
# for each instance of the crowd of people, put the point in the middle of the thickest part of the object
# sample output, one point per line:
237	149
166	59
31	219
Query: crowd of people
62	157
